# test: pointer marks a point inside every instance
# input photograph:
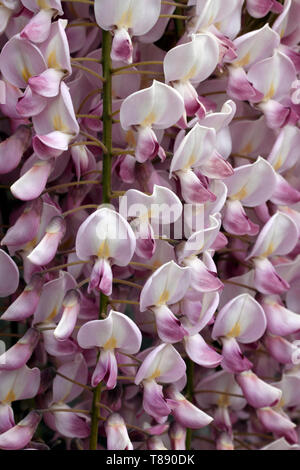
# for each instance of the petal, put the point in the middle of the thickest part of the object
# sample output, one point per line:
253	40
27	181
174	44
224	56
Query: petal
236	221
233	359
33	182
194	149
278	423
106	370
259	9
257	392
163	360
9	275
24	306
20	60
169	328
203	280
162	205
240	88
276	114
117	434
106	233
252	184
63	389
280	320
50	145
101	277
255	46
38	28
71	308
192	103
283	155
278	237
200	353
282	350
121	46
194	60
185	413
222	118
127	335
19	384
266	279
284	193
167	285
147	146
56	48
17	356
242	318
138	15
70	425
52	296
201	239
216	167
95	333
30	104
153	400
7	420
47	83
12	149
192	189
58	348
273	76
20	435
159	105
45	251
58	116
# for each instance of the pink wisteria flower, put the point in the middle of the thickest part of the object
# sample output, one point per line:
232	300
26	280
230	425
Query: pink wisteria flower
149	225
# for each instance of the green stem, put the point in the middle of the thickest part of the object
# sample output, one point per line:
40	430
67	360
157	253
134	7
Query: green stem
106	191
189	396
107	115
95	417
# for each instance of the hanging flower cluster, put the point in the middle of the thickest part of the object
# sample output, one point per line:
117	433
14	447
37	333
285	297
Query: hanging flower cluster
149	225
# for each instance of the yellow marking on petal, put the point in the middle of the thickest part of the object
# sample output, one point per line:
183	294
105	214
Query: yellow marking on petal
25	74
211	19
30	245
110	344
149	120
223	401
164	297
155	374
42	4
9	397
278	163
190	162
247	149
235	331
52	60
191	73
268	251
281	403
58	124
270	93
52	314
243	61
282	32
157	264
130	138
126	19
103	251
241	194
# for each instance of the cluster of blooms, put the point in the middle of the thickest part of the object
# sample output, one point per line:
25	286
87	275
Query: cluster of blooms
150	222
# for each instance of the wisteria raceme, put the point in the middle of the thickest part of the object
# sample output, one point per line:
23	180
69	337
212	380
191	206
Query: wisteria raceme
150	224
